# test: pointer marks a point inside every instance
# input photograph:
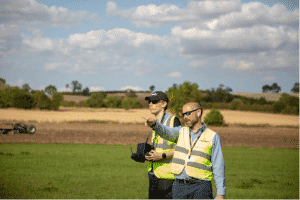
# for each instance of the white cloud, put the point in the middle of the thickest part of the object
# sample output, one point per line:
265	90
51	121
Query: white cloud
97	88
64	89
210	14
53	66
19	83
135	88
155	16
174	75
198	63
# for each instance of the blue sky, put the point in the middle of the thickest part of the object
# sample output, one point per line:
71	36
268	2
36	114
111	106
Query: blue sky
117	45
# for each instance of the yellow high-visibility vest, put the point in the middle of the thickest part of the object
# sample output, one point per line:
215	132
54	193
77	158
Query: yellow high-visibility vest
162	168
201	165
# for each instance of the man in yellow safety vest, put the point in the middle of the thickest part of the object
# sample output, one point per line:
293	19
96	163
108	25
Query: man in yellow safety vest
159	174
198	156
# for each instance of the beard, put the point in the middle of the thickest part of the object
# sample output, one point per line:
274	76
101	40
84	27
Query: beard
190	124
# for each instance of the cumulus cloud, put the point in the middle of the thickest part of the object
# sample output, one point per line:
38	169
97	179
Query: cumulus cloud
97	88
26	13
155	16
174	75
135	88
106	51
197	63
208	14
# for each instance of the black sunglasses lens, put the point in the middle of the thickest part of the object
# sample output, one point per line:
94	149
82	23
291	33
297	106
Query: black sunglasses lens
153	101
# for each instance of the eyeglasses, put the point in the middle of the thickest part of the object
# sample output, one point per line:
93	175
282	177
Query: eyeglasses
188	113
153	101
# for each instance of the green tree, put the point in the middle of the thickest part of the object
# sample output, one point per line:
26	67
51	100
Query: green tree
86	91
76	86
266	89
56	100
23	100
96	100
175	86
275	88
129	103
26	87
152	87
3	80
51	89
295	88
219	95
185	93
41	101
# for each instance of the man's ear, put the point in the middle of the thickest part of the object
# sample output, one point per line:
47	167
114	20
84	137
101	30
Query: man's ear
164	104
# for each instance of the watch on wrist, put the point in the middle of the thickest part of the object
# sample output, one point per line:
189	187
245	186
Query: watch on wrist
164	155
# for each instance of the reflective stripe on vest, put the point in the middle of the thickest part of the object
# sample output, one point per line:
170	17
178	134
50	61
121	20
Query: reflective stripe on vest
162	168
200	165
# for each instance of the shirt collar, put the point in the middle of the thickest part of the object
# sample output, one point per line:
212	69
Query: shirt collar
201	129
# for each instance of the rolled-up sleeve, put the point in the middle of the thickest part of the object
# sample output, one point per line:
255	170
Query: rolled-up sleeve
218	164
167	133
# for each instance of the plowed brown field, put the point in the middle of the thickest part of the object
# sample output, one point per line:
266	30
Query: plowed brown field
124	134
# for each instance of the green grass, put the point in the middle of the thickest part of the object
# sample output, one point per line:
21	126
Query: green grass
88	171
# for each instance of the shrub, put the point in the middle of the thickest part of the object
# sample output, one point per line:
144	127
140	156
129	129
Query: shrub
2	101
81	104
113	102
8	96
23	100
41	100
278	106
129	103
96	100
57	98
262	101
290	110
235	104
214	117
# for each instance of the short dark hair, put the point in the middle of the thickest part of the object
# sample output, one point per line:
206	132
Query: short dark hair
167	104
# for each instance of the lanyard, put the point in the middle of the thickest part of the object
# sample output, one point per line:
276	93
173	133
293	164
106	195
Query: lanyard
194	143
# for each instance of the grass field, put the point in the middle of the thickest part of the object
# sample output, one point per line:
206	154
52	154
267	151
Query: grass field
90	171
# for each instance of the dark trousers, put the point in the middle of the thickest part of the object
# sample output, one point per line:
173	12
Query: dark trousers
198	190
159	188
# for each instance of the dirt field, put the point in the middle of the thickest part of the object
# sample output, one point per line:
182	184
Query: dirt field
51	132
135	116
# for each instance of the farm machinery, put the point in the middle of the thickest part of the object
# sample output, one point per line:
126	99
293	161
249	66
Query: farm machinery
19	128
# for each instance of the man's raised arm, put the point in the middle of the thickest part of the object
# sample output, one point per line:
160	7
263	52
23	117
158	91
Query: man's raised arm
165	132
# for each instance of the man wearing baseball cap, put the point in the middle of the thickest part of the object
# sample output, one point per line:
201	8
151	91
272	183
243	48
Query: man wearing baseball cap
159	173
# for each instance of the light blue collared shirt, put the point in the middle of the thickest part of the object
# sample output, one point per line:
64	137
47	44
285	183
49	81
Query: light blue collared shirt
217	158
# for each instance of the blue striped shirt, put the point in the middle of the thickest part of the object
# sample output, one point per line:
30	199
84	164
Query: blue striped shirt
217	158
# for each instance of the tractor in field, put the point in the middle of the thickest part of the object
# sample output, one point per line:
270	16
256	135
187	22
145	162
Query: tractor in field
18	128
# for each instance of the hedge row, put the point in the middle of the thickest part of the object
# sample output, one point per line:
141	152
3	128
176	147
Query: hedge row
16	98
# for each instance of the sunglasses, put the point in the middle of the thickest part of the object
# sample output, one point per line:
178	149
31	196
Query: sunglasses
188	113
153	101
